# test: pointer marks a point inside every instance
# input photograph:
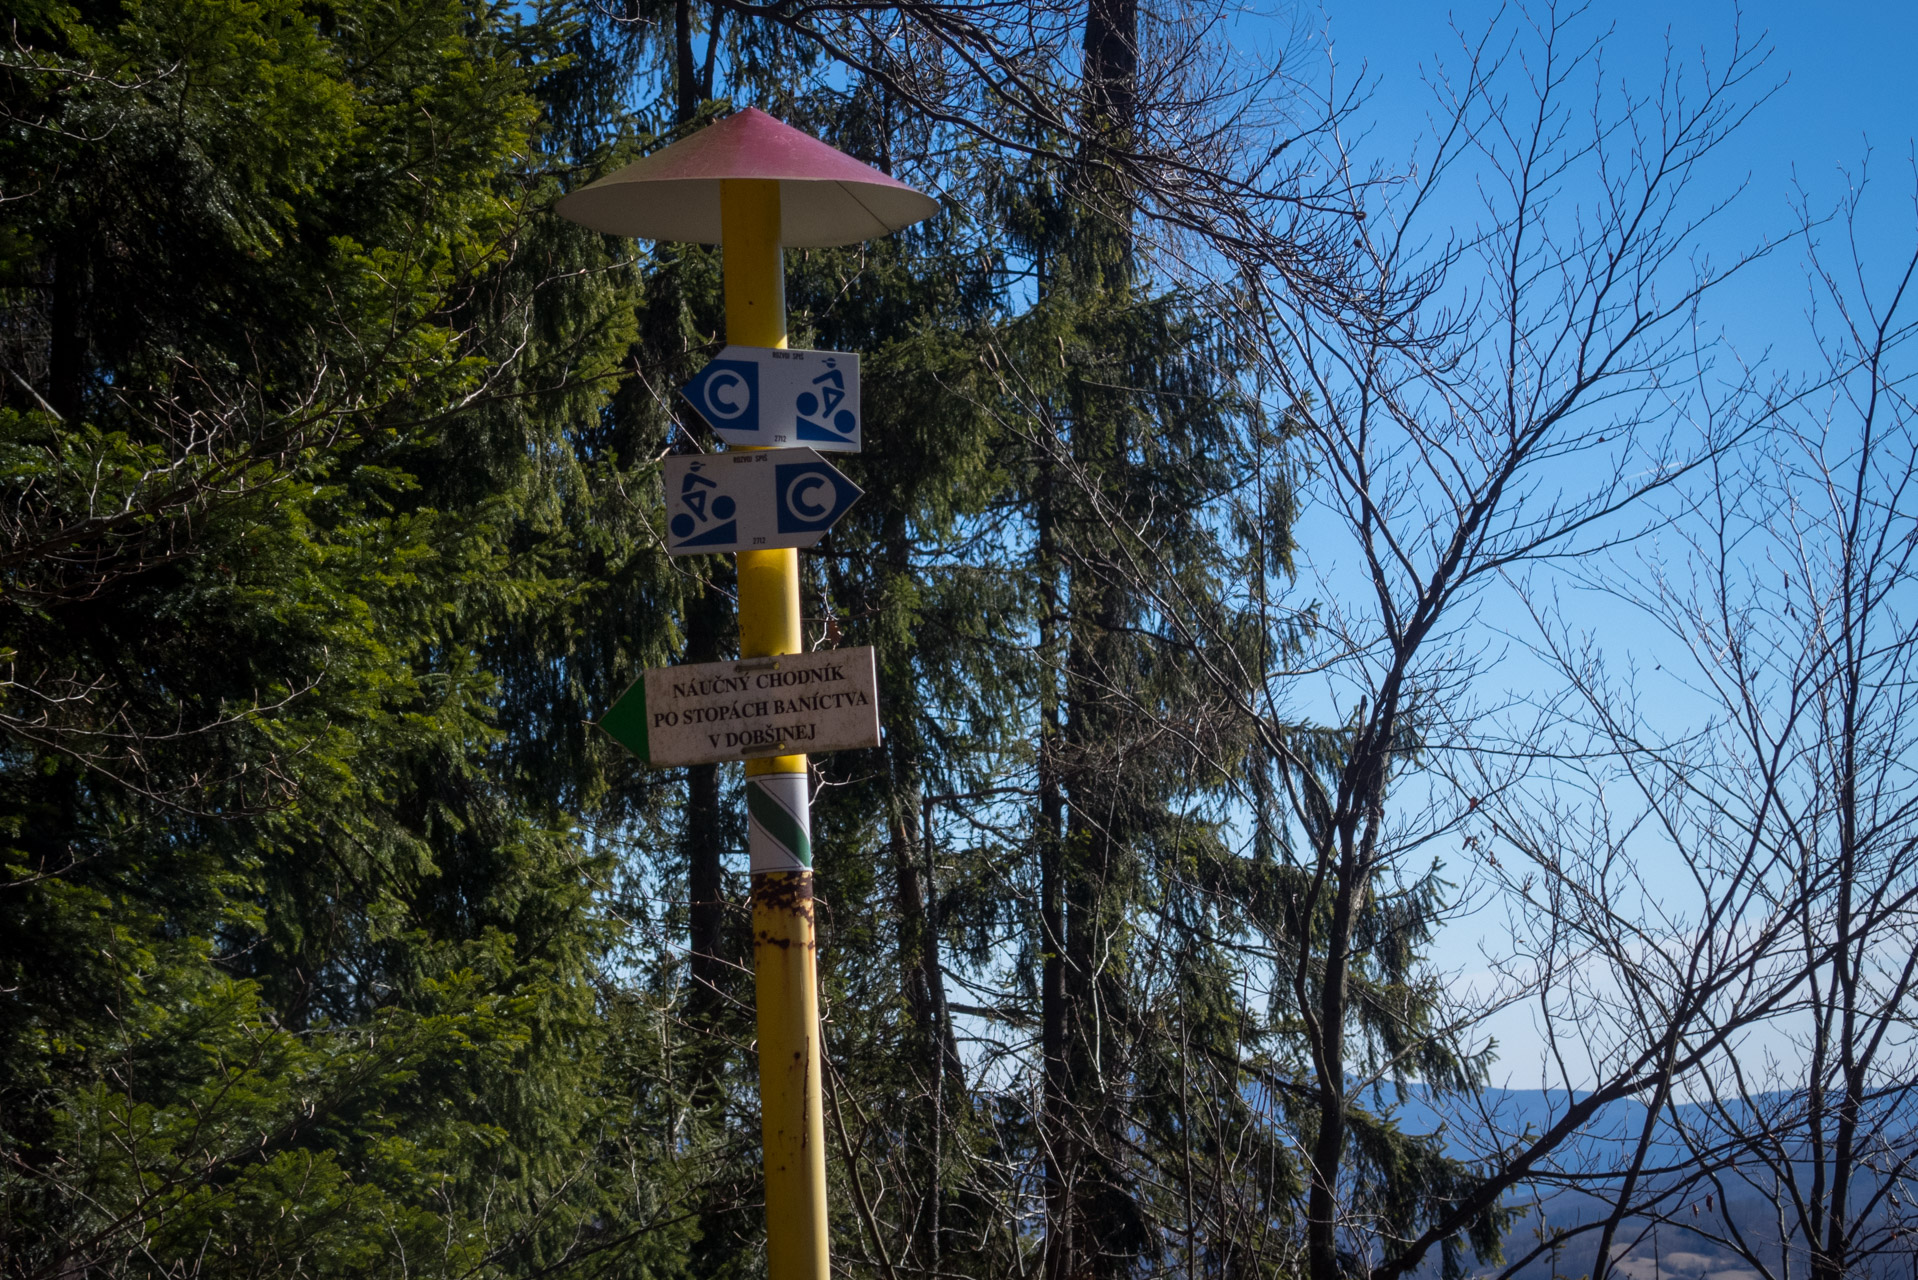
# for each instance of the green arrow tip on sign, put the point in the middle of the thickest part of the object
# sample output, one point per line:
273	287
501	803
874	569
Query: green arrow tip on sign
626	721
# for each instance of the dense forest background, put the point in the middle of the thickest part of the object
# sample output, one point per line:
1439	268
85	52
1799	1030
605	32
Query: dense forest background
335	940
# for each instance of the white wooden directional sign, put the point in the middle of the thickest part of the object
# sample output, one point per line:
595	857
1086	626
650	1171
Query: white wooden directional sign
706	712
750	501
780	399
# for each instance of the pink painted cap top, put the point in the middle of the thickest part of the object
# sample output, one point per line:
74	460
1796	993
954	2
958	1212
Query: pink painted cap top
825	196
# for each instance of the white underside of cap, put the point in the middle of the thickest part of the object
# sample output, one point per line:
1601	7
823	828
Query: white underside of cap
813	215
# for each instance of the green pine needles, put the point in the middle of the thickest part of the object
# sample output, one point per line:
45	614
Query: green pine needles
334	940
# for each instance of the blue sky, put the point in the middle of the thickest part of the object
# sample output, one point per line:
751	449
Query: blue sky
1846	78
1849	64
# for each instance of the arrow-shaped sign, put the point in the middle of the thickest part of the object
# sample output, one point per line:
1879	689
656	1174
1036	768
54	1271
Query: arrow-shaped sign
827	700
776	398
750	501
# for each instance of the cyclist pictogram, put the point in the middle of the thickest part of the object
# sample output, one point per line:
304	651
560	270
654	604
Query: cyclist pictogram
704	516
770	398
824	415
745	500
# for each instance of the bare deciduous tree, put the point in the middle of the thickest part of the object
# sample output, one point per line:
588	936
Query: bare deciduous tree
1771	838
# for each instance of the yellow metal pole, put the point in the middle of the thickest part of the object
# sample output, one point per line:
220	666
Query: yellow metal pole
791	1121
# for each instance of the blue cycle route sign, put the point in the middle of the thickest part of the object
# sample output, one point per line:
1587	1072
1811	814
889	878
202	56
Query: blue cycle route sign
772	398
748	501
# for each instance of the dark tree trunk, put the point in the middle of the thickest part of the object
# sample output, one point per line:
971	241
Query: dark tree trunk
707	619
1056	1128
1321	1209
686	77
909	898
1112	63
1108	1229
1095	1227
67	353
1111	125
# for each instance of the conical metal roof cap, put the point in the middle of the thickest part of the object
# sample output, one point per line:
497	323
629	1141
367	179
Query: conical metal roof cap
825	196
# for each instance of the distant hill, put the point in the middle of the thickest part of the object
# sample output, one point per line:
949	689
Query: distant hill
1692	1242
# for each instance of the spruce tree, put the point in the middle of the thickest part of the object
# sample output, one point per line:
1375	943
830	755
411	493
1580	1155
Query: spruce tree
299	938
334	939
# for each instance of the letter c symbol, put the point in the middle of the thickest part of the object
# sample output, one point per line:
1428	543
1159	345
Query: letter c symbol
727	395
799	497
